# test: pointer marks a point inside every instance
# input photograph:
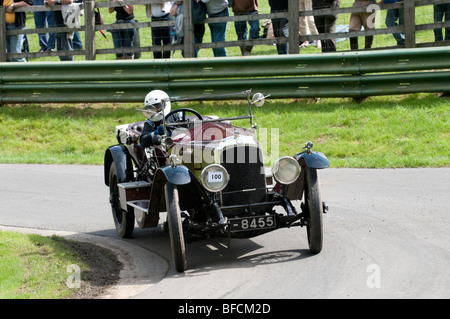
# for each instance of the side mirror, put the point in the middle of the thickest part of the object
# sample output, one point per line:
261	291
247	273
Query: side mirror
258	99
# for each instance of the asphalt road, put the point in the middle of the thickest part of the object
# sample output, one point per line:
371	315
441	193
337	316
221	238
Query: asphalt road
386	235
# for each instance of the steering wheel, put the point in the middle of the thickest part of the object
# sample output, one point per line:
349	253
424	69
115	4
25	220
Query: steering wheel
183	112
179	116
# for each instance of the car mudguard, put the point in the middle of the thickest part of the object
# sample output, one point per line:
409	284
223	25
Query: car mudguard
178	175
120	156
316	160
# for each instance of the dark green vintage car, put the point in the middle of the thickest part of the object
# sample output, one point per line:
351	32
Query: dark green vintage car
209	177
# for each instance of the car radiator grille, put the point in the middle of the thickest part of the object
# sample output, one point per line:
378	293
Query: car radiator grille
247	183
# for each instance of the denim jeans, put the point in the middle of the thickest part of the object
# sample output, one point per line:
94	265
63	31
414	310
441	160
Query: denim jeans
41	20
281	30
218	32
242	30
14	43
392	15
123	38
77	43
441	10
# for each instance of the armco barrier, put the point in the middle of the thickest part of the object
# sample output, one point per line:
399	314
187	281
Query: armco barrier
348	74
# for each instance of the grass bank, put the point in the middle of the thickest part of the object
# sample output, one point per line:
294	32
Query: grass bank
381	132
37	267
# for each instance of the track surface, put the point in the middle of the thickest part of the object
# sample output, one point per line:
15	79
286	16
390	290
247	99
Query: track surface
386	235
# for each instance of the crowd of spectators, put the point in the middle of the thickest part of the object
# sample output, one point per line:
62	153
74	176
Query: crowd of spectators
248	29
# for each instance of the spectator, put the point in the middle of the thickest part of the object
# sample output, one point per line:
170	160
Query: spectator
359	20
63	39
217	8
280	25
441	10
45	19
160	35
306	23
123	38
77	43
392	15
15	21
245	7
198	16
326	23
199	28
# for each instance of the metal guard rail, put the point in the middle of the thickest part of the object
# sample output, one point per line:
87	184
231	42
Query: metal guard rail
347	74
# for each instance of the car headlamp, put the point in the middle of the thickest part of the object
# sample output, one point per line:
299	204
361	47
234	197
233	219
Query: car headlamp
214	177
286	170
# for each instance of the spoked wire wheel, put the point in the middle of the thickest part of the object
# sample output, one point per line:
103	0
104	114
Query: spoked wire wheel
175	227
314	210
123	220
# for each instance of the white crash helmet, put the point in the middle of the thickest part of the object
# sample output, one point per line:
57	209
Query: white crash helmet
153	105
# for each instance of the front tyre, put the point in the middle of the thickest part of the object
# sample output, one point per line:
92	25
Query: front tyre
175	227
314	209
123	220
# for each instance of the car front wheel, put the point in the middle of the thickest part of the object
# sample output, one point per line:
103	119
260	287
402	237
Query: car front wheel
313	203
175	227
123	220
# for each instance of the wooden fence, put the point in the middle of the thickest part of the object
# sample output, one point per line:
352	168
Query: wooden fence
89	28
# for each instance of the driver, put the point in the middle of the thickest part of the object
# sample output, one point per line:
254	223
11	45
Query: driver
153	110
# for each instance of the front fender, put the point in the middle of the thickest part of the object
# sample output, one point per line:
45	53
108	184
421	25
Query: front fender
120	156
316	160
178	175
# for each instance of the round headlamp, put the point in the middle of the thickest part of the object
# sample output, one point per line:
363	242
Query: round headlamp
214	177
286	170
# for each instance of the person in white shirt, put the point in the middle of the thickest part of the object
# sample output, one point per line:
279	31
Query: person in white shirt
161	36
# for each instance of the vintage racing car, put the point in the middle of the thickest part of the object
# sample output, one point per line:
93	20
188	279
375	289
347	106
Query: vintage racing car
208	178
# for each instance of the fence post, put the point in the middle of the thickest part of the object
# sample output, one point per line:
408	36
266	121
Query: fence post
188	29
89	33
293	17
2	34
410	23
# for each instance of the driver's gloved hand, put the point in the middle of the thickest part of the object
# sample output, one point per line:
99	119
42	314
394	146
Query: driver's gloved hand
156	138
160	130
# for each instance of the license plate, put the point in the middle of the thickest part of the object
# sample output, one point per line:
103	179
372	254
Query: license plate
252	223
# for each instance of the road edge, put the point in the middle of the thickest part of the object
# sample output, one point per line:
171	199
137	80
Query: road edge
141	267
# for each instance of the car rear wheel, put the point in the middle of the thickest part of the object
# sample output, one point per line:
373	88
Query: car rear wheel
175	227
314	208
123	220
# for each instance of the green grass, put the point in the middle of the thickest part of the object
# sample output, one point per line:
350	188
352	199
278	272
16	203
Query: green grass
35	267
386	131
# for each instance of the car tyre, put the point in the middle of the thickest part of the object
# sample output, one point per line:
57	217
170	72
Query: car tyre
123	220
313	203
175	227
